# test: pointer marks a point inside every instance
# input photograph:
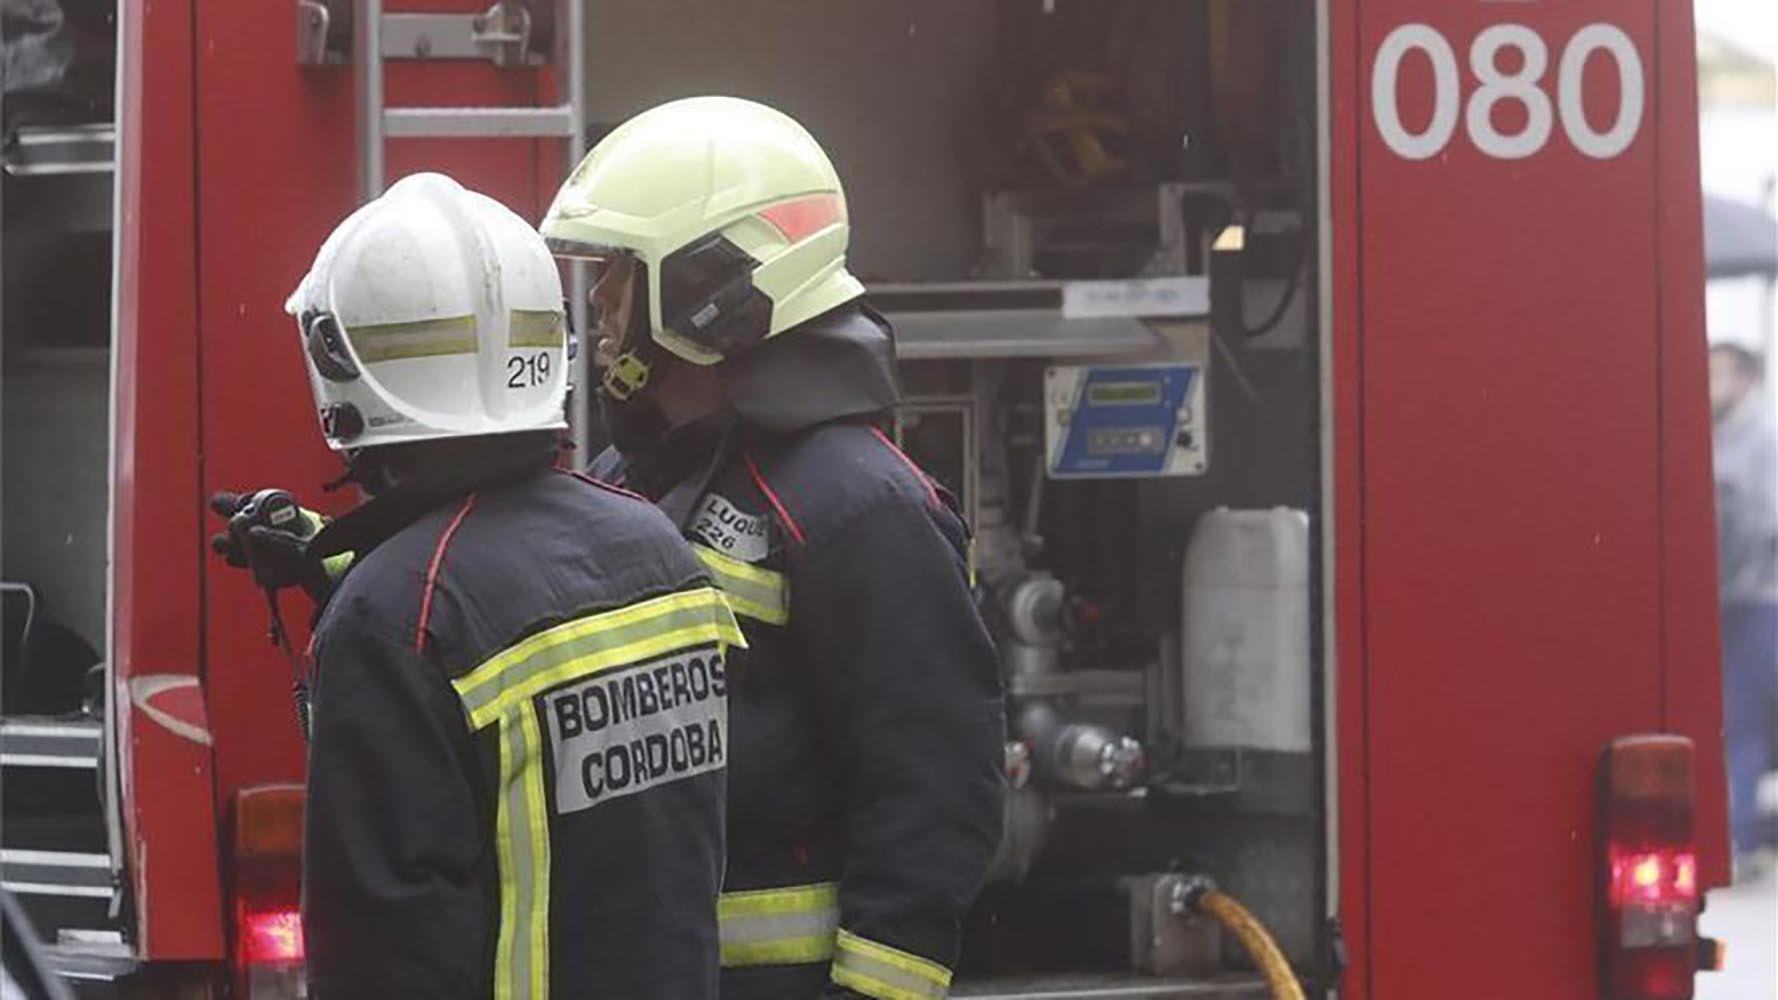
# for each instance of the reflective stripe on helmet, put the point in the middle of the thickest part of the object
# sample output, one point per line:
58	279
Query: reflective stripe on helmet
800	218
429	338
877	970
793	925
536	328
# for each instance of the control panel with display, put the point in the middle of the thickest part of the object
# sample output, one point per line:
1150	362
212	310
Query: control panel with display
1125	420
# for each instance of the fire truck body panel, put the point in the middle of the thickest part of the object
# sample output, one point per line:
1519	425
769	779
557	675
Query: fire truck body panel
1516	544
1522	500
168	824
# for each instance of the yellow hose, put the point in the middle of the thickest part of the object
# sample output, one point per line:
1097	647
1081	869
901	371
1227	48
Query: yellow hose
1254	938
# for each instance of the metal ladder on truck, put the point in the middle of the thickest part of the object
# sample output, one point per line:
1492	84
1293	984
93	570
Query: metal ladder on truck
510	33
55	860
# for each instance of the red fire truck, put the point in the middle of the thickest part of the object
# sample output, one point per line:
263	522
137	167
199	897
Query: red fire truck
1325	378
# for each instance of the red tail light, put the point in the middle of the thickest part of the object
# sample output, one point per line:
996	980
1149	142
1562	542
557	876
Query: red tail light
1648	870
266	891
271	937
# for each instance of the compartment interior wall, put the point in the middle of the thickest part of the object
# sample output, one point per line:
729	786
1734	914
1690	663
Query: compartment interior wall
55	389
909	97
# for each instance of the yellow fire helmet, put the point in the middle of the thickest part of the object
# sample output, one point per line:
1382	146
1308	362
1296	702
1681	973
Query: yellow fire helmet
733	213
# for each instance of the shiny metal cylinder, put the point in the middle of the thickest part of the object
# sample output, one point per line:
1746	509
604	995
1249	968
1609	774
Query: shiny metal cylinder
1079	754
1094	757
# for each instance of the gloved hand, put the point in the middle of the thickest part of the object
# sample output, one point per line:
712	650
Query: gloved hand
268	534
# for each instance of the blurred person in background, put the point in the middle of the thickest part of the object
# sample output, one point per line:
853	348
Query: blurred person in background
1746	462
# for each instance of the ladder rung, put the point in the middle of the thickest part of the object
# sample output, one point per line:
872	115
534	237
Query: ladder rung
75	149
55	873
474	123
50	743
91	955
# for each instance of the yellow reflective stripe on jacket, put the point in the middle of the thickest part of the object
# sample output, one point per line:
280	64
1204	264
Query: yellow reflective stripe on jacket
500	691
588	645
521	820
877	970
789	926
760	594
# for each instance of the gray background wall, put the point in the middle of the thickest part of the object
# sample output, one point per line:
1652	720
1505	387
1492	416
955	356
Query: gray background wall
54	446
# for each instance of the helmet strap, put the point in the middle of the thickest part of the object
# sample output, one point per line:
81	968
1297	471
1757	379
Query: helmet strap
626	376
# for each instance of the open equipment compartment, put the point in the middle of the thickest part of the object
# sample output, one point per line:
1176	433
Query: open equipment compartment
57	848
1093	225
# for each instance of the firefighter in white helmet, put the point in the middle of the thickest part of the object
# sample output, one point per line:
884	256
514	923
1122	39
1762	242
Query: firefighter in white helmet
746	386
519	727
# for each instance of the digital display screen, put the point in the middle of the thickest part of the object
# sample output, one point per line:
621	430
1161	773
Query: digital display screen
1124	393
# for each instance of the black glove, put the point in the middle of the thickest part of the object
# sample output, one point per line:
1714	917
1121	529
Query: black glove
268	534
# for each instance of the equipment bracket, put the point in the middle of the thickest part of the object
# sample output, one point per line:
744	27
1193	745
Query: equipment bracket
509	33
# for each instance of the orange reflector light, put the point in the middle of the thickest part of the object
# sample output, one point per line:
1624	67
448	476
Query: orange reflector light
1650	767
269	821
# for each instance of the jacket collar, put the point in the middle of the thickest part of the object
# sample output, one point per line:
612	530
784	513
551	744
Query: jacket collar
371	523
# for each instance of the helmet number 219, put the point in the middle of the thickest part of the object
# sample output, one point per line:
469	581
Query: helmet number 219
526	371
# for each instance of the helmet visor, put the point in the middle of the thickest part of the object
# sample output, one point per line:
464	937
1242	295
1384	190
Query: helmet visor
595	254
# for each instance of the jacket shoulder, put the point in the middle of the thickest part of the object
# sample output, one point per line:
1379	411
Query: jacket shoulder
513	558
381	592
827	476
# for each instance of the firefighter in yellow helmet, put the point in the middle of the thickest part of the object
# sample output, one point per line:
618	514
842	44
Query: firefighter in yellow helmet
745	386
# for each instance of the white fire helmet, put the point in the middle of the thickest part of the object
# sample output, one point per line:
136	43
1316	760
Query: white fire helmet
432	312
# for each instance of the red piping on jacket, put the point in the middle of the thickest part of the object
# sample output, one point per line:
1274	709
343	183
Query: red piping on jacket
617	488
925	480
438	553
796	530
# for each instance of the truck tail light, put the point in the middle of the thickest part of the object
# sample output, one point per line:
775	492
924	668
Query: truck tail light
1648	870
266	893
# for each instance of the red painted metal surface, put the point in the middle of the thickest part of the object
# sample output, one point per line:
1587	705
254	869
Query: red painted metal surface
1510	475
1690	639
276	169
169	823
235	164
